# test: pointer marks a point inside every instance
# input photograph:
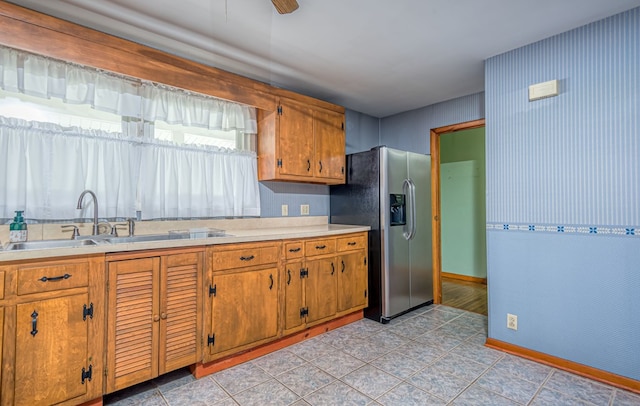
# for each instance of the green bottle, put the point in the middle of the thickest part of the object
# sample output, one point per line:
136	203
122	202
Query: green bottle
18	229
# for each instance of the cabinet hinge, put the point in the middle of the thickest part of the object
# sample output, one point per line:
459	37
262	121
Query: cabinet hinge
86	374
211	339
279	110
279	163
212	290
304	311
304	273
87	311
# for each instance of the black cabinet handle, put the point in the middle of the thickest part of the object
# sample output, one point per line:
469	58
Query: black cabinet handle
294	249
320	162
342	266
289	274
249	258
308	165
332	269
34	323
352	243
55	278
321	247
270	281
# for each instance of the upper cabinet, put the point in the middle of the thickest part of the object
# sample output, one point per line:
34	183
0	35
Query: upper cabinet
302	143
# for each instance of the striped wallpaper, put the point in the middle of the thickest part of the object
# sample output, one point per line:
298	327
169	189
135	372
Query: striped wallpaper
573	159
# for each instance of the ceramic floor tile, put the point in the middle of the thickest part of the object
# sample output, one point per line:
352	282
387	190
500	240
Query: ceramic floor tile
279	362
478	353
461	333
336	339
624	398
398	365
440	384
410	328
441	343
312	349
475	395
420	352
173	380
371	381
270	392
523	369
580	388
300	402
365	350
478	339
387	340
548	397
408	395
362	328
305	379
459	366
337	393
241	377
132	395
338	364
508	386
201	392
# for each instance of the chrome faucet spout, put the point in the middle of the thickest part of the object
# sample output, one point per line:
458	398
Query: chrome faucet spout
95	208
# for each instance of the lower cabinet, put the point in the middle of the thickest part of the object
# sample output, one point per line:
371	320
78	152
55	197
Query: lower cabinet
242	297
52	322
153	318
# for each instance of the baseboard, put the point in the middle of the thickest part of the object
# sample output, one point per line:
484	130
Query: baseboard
566	365
200	370
465	278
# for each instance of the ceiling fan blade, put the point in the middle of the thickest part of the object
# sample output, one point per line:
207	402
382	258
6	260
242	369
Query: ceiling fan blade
285	6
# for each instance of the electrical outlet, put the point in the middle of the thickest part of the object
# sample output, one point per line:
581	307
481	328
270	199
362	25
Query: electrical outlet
304	209
512	321
285	210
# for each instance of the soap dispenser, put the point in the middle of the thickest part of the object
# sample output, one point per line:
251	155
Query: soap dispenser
18	229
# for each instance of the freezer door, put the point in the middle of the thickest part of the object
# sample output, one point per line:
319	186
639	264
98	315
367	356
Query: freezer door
396	278
420	247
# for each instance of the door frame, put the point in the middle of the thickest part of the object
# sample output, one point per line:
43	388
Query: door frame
435	198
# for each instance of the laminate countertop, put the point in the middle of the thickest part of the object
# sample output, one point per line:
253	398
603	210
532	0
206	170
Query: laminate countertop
264	231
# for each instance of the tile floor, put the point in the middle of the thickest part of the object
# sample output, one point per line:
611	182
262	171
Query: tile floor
432	356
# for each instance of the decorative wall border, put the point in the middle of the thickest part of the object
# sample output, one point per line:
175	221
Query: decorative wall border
593	230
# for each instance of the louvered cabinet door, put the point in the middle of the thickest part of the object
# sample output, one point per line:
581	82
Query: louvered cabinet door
133	322
180	300
51	350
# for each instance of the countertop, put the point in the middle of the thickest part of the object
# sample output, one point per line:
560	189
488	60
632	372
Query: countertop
288	231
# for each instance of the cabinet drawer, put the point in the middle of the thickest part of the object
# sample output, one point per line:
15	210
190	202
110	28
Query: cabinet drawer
353	242
240	257
320	247
52	276
293	250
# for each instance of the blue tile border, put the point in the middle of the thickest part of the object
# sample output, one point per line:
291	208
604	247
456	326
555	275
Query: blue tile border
593	230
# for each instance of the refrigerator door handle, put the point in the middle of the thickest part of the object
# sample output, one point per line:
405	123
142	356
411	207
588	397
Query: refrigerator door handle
412	208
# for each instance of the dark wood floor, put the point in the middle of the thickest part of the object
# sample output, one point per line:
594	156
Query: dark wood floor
464	295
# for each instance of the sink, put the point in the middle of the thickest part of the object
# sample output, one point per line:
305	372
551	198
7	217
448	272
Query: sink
160	237
45	244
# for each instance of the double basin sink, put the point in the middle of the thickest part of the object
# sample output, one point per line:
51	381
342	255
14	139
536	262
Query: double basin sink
106	239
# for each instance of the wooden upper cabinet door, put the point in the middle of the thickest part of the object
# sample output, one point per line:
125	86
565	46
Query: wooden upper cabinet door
51	350
244	308
329	144
295	139
132	322
180	305
321	289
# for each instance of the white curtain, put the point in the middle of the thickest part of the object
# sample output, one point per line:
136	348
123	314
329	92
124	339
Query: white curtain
46	167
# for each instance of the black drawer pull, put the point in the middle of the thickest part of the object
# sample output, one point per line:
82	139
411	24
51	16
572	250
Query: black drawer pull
351	243
270	281
342	266
294	249
55	278
308	165
320	162
34	323
249	258
289	278
332	269
321	247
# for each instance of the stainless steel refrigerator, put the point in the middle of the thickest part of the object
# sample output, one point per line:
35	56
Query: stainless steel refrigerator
390	191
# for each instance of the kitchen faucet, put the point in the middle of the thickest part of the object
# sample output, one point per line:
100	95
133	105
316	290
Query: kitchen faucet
95	209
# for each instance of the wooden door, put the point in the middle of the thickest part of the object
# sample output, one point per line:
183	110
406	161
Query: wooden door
51	350
293	296
180	306
352	281
329	138
321	289
296	139
244	308
132	322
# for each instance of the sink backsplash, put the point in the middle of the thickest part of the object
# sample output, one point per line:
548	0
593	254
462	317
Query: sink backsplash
54	231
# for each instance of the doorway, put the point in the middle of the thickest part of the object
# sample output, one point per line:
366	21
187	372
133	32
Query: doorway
459	254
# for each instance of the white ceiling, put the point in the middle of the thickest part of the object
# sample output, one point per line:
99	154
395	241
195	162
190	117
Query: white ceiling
379	57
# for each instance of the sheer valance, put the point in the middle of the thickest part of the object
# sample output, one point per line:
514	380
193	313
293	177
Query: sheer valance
43	77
